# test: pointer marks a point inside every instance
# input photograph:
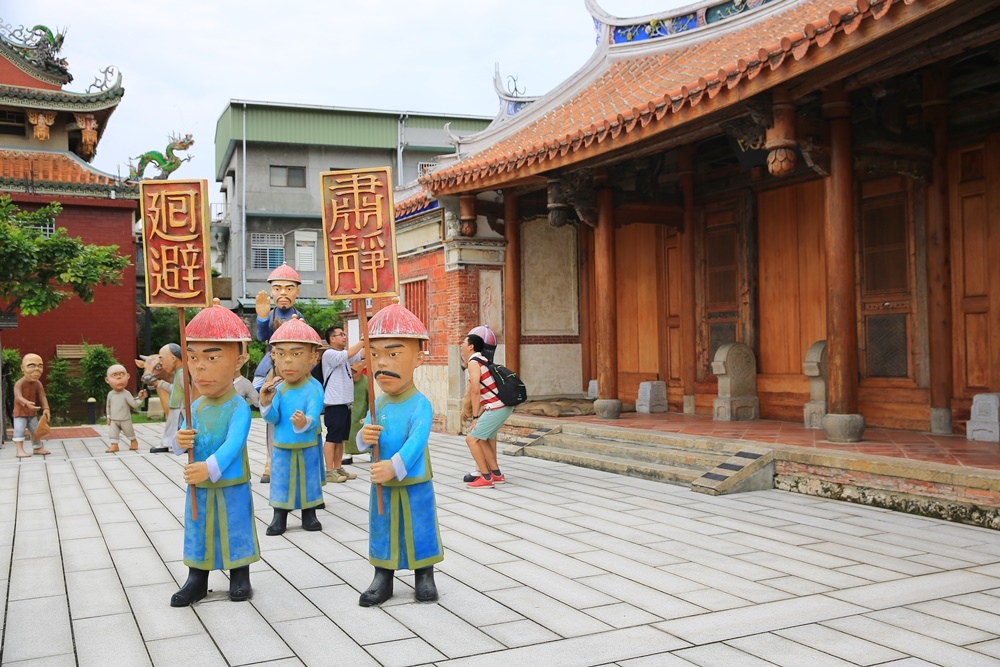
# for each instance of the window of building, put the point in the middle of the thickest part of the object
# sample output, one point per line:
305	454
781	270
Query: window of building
305	251
46	228
288	177
415	298
13	123
267	251
424	167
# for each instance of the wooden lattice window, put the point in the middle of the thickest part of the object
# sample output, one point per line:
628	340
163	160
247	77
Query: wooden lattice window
415	298
887	279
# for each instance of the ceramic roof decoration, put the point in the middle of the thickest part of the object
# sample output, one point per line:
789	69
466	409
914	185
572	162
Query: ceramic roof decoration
217	323
483	331
295	331
395	321
655	73
285	272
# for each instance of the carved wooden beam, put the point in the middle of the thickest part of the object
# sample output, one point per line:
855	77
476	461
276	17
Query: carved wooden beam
654	213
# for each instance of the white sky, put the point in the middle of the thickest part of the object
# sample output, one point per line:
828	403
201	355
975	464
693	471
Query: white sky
182	61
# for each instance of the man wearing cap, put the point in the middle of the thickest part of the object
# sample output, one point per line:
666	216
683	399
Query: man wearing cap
487	410
406	536
223	535
285	283
293	401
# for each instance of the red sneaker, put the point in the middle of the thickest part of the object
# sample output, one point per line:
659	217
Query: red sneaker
481	483
499	479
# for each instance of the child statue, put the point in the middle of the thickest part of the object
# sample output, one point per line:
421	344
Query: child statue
293	402
406	536
223	536
29	396
119	406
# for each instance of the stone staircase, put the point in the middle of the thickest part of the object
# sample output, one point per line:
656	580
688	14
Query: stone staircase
664	457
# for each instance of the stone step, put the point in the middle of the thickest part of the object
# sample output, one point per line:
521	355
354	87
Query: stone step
671	474
645	452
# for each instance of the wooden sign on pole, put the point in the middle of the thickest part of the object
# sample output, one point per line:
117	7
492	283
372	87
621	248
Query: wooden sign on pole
359	239
176	258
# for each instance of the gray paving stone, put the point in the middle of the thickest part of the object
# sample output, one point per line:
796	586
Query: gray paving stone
974	618
714	600
561	619
404	652
95	593
318	641
915	589
64	660
663	605
901	565
852	649
931	626
707	576
519	633
471	605
35	520
364	625
22	639
471	546
473	574
543	557
111	513
653	555
124	535
721	655
321	546
140	567
109	640
156	518
278	601
156	619
805	570
241	633
785	652
85	554
651	577
36	544
991	648
731	623
301	571
189	651
35	578
622	615
911	643
871	573
78	526
443	630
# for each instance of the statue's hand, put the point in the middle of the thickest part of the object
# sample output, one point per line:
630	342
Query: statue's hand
370	434
263	304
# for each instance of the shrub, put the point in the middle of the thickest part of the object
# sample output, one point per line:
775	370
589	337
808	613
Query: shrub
58	388
12	363
256	350
321	317
94	368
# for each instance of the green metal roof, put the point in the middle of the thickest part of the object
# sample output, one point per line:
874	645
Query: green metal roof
323	126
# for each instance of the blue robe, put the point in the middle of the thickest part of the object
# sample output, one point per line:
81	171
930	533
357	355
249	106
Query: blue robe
297	467
406	536
223	537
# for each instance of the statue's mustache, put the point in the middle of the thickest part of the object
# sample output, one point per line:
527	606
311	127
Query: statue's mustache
387	373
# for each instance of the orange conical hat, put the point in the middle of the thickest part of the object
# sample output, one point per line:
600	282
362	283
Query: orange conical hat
216	323
395	321
295	331
285	272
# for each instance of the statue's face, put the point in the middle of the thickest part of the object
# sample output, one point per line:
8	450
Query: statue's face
32	366
393	361
358	369
284	293
213	364
294	360
168	362
117	378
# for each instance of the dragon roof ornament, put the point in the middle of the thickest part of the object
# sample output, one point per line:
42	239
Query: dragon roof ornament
39	47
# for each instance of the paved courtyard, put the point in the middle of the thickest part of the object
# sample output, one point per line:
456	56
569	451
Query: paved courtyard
559	566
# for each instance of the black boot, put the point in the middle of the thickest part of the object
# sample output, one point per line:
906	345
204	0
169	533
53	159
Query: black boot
309	520
277	526
194	589
239	584
380	589
424	584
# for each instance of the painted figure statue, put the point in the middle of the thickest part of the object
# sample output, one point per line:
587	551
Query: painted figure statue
406	536
119	406
167	163
170	364
285	283
156	379
293	402
29	398
223	535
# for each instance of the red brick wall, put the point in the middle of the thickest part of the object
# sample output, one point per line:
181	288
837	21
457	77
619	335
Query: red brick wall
110	319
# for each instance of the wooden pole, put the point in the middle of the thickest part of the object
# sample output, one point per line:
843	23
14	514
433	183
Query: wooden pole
688	309
512	281
363	315
842	327
607	318
186	382
936	80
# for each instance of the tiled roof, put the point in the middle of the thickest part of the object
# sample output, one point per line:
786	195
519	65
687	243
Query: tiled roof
43	171
58	99
632	93
412	204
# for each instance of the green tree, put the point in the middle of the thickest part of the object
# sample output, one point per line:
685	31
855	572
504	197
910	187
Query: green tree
321	317
39	271
12	363
94	368
165	326
58	388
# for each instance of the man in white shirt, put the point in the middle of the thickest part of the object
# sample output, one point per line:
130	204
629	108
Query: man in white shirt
338	394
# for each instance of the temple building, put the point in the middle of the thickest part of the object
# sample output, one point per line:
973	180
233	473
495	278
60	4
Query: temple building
48	137
811	181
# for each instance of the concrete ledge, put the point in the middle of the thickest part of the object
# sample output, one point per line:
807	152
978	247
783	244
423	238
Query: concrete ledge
750	469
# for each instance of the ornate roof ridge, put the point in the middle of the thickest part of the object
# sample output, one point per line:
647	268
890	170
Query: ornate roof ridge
35	52
58	172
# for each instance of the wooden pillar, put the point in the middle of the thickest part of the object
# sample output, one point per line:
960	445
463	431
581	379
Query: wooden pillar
842	423
689	310
607	309
936	81
512	281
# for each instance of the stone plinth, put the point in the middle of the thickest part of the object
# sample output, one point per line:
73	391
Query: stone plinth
984	421
592	389
736	368
652	397
813	413
154	410
814	367
608	408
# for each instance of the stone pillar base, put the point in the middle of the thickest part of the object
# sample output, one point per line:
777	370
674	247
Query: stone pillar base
941	421
154	410
592	389
608	408
736	409
652	397
812	414
843	428
689	404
